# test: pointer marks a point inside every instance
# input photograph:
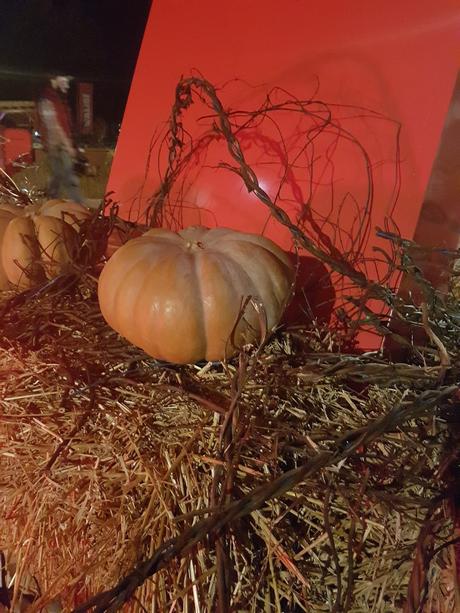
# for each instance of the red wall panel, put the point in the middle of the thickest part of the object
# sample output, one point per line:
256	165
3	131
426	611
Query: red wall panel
399	58
396	58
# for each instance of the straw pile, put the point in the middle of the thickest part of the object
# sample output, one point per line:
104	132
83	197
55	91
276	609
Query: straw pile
299	477
107	454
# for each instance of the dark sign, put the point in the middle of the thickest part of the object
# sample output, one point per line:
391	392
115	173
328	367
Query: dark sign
85	108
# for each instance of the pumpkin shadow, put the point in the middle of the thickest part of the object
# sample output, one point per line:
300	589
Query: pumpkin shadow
314	294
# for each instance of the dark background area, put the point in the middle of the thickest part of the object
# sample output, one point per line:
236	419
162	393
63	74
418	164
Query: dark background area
94	40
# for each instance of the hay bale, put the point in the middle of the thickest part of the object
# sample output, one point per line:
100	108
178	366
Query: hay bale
106	454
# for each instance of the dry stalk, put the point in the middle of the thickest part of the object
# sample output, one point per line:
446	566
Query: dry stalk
112	600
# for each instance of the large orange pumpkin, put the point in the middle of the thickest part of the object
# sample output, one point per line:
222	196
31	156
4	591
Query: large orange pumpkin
38	241
178	295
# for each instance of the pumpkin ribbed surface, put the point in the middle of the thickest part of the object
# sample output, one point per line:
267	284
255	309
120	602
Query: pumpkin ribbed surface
178	295
38	241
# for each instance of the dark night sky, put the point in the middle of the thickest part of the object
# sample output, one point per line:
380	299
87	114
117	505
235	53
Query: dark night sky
96	40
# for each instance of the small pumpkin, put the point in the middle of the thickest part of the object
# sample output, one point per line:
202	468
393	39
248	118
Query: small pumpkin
38	241
178	295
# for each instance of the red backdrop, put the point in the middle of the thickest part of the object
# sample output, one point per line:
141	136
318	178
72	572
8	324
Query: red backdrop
399	59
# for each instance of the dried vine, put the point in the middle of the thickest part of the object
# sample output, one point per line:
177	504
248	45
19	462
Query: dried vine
222	128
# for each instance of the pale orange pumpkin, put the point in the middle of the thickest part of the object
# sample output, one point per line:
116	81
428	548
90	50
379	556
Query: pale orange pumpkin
37	241
178	295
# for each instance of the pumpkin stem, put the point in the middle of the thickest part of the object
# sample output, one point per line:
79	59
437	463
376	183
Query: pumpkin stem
194	245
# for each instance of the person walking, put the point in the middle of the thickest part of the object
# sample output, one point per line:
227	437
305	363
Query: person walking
56	131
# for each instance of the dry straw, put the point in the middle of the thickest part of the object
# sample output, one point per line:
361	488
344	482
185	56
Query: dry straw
302	476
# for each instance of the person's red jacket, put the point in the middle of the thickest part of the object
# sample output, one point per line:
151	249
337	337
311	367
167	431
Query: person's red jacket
54	119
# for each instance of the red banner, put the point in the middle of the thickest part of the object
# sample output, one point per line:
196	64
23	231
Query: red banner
85	108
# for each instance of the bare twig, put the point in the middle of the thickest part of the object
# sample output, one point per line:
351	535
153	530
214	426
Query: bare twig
113	599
